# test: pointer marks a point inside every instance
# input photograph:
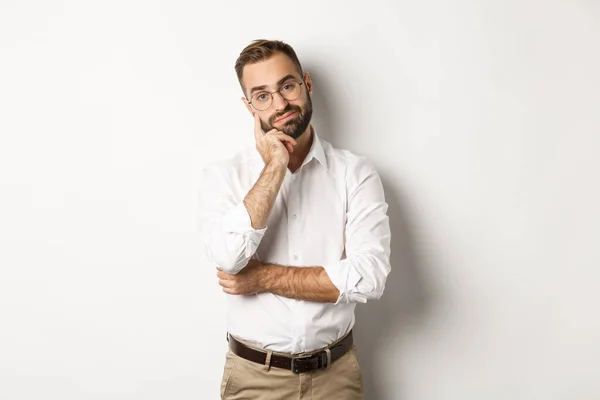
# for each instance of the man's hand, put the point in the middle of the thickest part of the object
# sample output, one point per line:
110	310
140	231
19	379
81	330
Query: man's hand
248	281
273	146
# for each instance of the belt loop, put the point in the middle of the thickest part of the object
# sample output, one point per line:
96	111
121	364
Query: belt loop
328	351
267	366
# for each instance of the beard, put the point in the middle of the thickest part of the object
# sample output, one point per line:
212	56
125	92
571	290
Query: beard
294	127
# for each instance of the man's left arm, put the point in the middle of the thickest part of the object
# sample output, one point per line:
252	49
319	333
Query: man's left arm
361	276
301	283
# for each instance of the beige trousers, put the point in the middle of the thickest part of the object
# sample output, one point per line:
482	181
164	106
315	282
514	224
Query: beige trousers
247	380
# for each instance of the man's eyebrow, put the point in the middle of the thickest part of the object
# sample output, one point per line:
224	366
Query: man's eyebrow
263	87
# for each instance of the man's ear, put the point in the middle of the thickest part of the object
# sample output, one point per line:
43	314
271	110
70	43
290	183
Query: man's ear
308	82
248	106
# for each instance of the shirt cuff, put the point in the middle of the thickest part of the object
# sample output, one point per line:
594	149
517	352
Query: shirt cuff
344	277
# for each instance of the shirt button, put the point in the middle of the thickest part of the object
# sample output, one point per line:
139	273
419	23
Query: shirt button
294	216
295	257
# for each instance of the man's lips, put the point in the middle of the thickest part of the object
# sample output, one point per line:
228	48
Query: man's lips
286	116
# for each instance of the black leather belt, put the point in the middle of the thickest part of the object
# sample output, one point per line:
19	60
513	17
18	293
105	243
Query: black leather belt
316	360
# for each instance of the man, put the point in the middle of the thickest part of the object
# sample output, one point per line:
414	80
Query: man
299	234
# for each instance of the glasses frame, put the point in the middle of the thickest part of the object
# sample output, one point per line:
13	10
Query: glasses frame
277	91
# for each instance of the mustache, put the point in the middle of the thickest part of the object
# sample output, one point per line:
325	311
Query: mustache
288	109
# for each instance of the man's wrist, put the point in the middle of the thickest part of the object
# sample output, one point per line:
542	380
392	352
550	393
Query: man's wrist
275	165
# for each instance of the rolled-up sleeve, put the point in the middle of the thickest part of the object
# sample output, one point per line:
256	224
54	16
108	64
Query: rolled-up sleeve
228	239
362	274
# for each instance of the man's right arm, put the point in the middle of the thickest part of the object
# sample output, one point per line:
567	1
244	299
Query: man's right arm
260	199
231	230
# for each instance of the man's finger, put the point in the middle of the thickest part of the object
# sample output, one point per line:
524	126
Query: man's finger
225	283
282	137
231	291
287	138
287	141
277	133
225	275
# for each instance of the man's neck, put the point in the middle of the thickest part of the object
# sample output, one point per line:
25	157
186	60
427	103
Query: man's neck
304	142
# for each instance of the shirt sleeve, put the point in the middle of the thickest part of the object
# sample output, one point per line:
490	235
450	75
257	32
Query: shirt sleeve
362	274
228	239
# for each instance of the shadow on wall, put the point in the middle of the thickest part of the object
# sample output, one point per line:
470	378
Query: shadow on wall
325	117
381	325
407	299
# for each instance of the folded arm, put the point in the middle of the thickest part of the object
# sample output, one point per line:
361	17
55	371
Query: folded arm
302	283
359	277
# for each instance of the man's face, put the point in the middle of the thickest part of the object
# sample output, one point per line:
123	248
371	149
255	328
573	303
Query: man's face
291	117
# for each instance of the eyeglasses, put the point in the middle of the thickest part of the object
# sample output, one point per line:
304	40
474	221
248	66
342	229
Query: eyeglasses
290	90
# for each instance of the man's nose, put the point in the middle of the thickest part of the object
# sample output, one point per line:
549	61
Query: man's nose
279	103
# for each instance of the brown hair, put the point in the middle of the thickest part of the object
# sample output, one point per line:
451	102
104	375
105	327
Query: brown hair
260	50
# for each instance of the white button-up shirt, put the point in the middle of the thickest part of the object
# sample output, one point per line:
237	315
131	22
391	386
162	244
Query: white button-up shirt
331	212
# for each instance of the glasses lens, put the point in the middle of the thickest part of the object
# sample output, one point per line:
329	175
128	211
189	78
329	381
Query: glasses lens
261	100
290	90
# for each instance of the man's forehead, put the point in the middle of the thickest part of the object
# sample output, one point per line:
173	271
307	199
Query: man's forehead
269	72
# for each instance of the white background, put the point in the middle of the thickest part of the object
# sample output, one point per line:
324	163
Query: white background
483	119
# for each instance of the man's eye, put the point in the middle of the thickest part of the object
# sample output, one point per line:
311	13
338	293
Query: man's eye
261	97
287	87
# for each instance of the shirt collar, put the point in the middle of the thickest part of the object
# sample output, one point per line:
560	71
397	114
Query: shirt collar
316	151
